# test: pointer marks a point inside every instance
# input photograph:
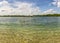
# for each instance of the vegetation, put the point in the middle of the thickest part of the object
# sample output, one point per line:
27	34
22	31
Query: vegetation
43	15
49	15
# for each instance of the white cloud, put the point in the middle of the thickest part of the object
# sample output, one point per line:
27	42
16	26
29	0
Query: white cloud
21	8
49	11
56	3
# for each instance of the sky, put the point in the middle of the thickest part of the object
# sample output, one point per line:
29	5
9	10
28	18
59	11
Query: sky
29	7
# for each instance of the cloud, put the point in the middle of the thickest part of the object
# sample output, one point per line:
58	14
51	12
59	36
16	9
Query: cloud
49	11
56	3
18	8
5	8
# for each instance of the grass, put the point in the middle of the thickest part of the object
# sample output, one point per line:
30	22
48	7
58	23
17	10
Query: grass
15	33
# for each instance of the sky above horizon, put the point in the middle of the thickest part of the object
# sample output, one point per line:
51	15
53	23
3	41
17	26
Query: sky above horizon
29	7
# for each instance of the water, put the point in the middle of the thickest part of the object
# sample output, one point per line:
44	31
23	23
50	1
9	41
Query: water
34	23
51	21
29	19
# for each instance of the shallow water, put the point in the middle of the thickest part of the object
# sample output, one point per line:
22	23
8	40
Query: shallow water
38	29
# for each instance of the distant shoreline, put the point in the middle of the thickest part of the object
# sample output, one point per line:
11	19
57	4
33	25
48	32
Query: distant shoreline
47	15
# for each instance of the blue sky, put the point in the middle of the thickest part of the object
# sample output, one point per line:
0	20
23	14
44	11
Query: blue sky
38	6
43	4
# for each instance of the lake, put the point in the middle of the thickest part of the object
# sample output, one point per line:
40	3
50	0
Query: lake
30	29
32	21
